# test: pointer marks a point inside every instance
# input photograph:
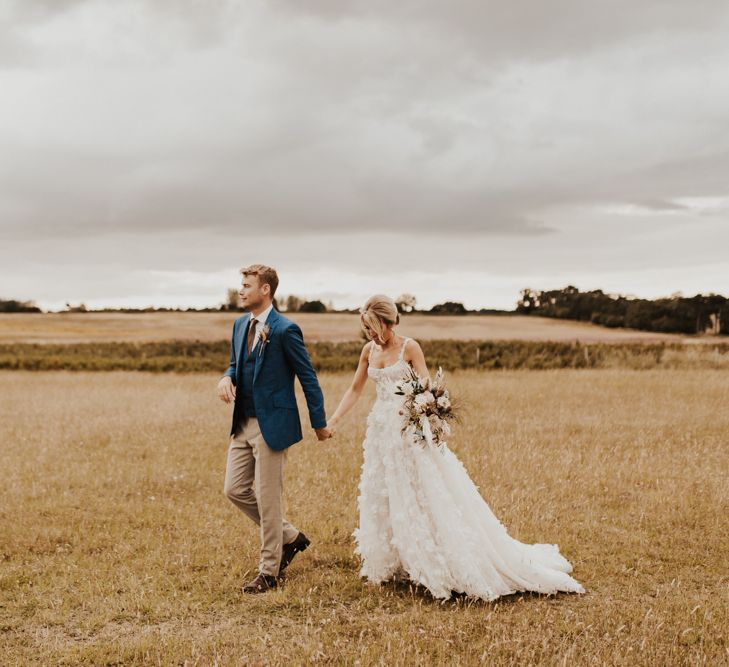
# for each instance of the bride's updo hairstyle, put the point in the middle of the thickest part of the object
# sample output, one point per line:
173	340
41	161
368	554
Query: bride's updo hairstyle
379	309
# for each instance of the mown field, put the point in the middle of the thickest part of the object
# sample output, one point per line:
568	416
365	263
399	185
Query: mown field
330	327
117	546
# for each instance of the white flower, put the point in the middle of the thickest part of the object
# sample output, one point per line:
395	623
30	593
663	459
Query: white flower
436	423
444	403
424	399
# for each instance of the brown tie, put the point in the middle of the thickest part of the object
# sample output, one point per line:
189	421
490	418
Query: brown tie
251	334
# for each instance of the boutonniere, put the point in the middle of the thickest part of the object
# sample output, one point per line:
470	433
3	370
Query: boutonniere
264	339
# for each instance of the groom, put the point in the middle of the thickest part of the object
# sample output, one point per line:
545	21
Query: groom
267	351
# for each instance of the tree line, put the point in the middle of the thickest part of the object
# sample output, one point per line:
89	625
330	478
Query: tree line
15	306
676	314
406	303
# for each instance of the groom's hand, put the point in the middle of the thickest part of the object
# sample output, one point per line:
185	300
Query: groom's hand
226	390
323	433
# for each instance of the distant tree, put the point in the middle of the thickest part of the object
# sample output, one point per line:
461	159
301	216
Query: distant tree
528	301
293	303
724	318
449	308
406	303
710	311
81	308
312	307
232	302
14	306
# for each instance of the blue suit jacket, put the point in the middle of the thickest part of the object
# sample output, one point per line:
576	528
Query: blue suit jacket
282	357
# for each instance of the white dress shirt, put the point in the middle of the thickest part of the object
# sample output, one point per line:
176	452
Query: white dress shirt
261	320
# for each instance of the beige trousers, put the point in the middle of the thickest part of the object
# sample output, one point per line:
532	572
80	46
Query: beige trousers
254	484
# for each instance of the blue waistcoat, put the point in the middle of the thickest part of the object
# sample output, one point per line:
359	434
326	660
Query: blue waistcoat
248	405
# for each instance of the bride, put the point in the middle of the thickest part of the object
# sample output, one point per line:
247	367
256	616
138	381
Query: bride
421	518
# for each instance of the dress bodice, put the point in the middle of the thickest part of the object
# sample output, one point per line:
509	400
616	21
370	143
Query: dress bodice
386	378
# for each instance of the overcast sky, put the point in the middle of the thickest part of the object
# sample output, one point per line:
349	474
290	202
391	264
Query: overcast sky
456	150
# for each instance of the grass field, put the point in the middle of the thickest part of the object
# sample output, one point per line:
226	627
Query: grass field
117	546
97	327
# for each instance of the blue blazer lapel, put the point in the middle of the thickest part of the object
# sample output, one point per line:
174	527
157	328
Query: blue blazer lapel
242	350
260	349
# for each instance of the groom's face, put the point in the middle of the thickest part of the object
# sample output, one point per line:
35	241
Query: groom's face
252	294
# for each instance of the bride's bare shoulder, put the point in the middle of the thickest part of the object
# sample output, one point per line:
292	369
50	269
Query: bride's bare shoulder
366	350
412	349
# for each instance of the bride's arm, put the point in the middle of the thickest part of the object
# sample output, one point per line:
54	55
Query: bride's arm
355	389
415	357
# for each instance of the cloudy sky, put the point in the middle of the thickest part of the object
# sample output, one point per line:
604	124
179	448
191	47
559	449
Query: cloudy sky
456	150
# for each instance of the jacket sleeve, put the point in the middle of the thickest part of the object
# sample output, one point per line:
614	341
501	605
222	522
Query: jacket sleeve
298	357
232	368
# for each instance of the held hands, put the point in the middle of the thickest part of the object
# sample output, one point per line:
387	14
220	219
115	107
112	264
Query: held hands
329	431
226	390
323	433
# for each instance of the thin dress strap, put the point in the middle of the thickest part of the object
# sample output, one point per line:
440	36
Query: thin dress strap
369	356
402	349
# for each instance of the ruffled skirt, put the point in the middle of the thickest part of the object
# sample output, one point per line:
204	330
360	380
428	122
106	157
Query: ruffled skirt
421	518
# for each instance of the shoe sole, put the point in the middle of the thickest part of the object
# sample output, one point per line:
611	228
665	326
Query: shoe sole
257	591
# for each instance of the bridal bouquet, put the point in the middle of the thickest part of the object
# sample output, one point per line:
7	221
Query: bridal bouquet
427	408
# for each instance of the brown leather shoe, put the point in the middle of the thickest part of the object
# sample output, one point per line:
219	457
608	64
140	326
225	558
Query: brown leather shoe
291	549
261	584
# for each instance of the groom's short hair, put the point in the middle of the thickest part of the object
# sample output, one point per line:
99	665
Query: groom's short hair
266	275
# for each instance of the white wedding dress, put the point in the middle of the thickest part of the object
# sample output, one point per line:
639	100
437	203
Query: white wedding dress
422	519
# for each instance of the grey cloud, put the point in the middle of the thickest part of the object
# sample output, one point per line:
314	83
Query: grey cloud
523	29
704	173
26	13
306	123
40	34
659	205
16	18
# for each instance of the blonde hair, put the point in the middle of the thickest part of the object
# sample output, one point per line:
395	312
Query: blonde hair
266	275
378	310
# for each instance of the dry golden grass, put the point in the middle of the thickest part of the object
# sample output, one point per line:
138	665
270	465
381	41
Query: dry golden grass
117	546
93	327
